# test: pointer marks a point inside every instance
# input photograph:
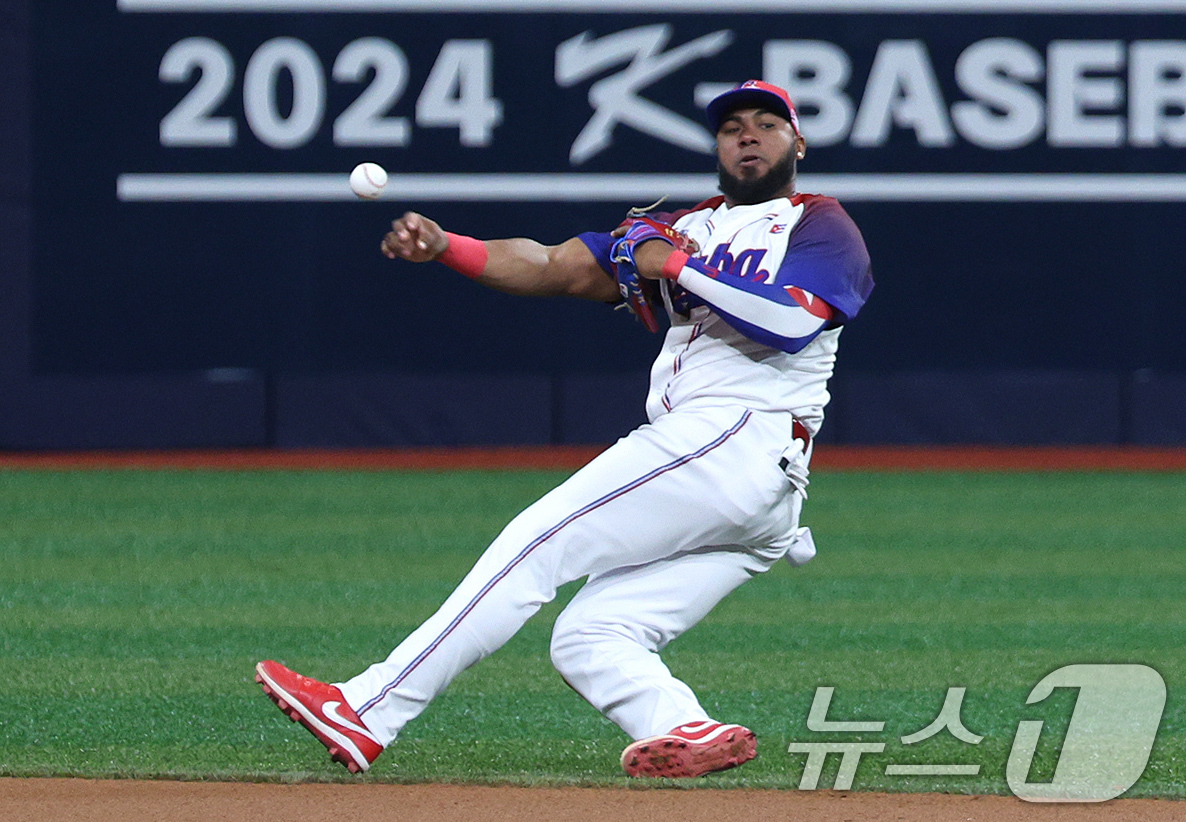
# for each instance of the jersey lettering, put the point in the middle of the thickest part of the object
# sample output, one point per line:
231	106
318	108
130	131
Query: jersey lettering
744	265
721	259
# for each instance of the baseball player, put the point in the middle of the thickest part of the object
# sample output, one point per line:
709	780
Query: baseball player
757	285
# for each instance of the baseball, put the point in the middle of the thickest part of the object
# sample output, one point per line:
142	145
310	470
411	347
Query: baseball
367	180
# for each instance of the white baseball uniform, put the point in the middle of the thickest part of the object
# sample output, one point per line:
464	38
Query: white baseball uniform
677	514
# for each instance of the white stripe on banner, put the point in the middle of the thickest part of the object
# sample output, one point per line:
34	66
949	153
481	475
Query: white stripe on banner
667	6
634	188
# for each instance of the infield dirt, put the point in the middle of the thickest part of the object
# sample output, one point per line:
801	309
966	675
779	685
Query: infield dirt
96	800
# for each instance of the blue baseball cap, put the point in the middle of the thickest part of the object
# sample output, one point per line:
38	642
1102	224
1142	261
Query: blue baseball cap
754	94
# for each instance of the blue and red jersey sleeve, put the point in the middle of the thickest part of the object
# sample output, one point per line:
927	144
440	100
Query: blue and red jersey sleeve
783	317
827	257
599	242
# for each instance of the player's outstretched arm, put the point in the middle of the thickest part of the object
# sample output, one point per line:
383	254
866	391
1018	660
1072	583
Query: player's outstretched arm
515	266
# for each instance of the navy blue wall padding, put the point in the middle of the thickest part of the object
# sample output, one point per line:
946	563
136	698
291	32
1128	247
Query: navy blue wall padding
599	408
411	410
1002	408
142	411
1158	414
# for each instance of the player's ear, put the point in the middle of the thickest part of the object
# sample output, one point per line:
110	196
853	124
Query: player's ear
800	147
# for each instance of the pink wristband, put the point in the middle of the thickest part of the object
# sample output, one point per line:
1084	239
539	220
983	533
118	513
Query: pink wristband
674	265
464	255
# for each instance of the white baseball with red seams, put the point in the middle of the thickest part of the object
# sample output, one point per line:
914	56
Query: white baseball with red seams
368	180
677	514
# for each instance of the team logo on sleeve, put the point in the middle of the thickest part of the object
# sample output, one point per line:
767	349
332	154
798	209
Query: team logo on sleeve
778	229
811	303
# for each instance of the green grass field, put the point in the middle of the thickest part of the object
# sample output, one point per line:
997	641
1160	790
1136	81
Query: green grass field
134	604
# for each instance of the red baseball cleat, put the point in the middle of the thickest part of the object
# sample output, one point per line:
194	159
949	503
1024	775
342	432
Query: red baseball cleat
323	711
690	750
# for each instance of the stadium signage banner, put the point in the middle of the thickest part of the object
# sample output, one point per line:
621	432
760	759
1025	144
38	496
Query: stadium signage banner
531	101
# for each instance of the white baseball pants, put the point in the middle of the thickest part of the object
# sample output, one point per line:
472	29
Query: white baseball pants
665	523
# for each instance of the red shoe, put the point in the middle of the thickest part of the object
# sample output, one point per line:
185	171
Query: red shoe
323	711
690	750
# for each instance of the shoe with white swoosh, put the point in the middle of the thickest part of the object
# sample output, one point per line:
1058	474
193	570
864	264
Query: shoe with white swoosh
690	750
321	708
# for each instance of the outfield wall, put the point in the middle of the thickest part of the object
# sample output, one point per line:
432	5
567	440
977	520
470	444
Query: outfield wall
182	265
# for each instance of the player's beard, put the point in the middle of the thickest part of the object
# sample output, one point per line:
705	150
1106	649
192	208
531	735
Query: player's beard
774	183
